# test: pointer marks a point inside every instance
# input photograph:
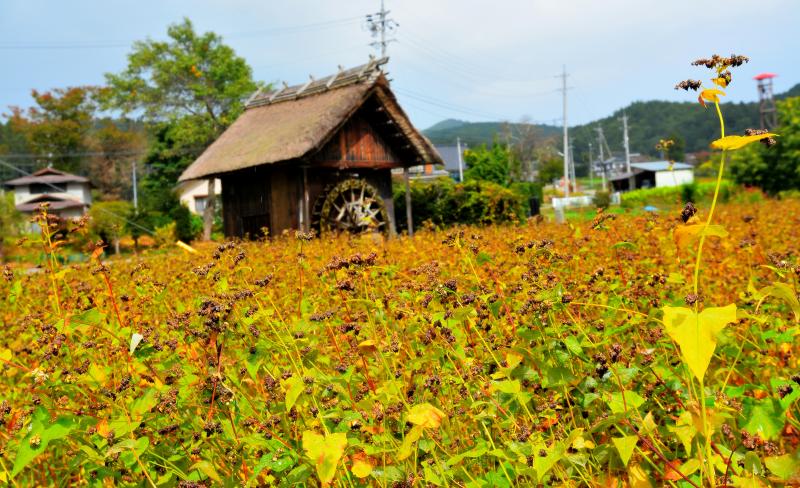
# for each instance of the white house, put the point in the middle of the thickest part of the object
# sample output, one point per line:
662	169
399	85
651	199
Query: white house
69	195
194	194
653	174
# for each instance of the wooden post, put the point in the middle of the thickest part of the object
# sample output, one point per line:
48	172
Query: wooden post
409	221
208	212
306	212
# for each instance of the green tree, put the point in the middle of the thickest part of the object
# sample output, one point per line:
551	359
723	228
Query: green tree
778	168
11	221
56	129
676	151
109	221
550	169
489	164
189	89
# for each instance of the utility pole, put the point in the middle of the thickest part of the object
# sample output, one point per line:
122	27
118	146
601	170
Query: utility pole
626	142
135	192
600	138
591	166
566	132
460	161
572	166
379	24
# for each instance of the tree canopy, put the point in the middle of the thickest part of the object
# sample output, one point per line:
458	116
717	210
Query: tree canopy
193	81
489	164
778	168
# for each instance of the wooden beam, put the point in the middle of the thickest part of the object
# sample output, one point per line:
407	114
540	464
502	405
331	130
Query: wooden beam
409	221
344	164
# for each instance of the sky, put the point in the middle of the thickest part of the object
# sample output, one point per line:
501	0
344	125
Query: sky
463	59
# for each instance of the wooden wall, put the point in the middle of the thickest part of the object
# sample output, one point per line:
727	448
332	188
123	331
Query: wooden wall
357	142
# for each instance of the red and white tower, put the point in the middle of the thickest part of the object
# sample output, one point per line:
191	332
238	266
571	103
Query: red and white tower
766	101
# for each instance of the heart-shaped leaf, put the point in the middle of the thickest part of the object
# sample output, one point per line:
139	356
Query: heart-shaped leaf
696	334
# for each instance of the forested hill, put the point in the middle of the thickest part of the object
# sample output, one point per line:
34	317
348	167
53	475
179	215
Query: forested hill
648	122
476	133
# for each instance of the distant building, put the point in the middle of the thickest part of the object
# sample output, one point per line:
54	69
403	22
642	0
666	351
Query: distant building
449	154
69	195
653	174
194	194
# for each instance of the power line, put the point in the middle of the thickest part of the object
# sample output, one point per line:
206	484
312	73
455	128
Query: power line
122	44
448	106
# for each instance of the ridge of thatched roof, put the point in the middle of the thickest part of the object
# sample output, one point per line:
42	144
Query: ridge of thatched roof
293	122
368	72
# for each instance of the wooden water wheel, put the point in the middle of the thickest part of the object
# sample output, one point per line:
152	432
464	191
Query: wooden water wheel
352	205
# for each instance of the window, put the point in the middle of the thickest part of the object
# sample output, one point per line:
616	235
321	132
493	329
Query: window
200	204
39	188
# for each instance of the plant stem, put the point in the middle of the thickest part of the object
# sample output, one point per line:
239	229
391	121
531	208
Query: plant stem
702	396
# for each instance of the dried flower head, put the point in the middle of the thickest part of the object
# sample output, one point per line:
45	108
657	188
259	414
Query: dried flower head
688	212
688	85
767	141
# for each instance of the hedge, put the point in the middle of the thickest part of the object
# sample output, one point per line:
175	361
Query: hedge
444	202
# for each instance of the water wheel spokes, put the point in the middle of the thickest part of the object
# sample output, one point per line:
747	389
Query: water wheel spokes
352	205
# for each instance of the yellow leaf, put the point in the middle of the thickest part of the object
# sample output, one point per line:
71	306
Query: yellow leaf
361	468
637	477
686	234
425	415
696	334
406	448
325	451
367	346
711	94
729	143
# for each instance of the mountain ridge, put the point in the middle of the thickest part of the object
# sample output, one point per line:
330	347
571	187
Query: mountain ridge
648	121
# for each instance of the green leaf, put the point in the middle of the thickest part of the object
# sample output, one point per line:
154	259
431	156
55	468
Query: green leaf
325	452
41	433
477	451
483	258
696	334
207	469
632	399
766	418
784	467
625	446
507	386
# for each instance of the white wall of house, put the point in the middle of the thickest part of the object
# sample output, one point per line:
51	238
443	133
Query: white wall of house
674	178
193	193
75	191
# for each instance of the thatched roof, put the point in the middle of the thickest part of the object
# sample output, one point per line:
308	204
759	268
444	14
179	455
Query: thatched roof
293	122
47	176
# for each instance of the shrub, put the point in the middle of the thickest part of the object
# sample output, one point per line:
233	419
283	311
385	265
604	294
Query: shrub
165	235
444	202
677	195
602	199
109	221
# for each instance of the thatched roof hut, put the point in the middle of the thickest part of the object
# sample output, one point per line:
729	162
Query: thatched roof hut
282	158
